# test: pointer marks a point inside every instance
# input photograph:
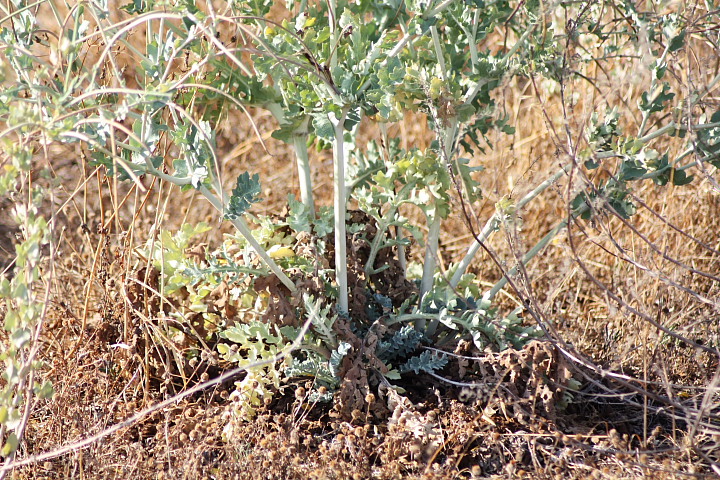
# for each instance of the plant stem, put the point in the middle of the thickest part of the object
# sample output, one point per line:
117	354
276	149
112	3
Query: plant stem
426	284
672	126
653	91
300	137
493	224
340	207
401	250
408	39
334	30
527	257
407	317
431	248
447	146
245	231
439	8
299	140
439	51
384	225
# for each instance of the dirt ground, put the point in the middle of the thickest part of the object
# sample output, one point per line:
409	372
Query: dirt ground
505	429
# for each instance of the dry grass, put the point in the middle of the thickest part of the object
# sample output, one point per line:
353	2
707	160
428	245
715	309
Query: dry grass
648	406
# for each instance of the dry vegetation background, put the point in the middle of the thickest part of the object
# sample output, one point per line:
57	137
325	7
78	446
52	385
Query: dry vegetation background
650	408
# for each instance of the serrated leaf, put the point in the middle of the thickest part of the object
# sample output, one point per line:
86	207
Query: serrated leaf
323	127
198	176
591	164
245	193
657	103
581	205
298	218
288	130
631	170
337	356
352	119
400	344
425	362
472	187
20	336
322	321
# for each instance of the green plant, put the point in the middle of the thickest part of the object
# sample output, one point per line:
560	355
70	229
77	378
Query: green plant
22	303
322	69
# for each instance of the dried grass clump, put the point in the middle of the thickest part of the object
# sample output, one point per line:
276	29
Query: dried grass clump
605	291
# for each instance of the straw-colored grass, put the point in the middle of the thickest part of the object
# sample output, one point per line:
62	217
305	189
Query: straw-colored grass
649	403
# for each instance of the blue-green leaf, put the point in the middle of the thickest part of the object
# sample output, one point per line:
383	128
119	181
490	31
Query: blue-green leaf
425	362
245	193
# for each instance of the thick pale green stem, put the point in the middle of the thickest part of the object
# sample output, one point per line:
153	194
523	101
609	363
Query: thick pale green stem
300	138
431	251
334	30
431	248
340	208
447	144
448	147
438	51
672	127
491	226
401	249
